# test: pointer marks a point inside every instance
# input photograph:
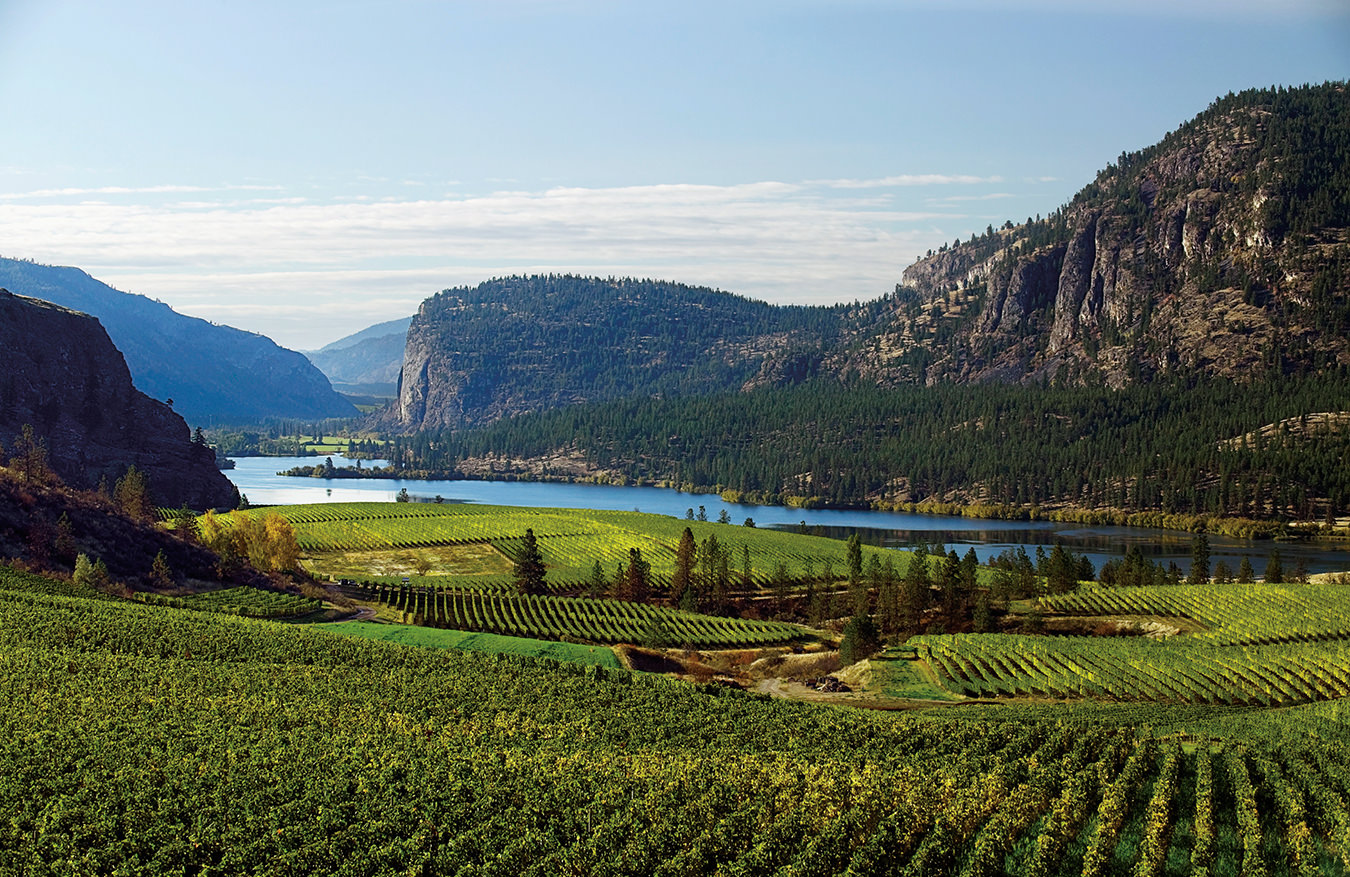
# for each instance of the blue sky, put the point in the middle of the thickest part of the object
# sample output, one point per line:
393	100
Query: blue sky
306	169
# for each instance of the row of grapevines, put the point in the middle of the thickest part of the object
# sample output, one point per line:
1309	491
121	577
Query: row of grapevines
250	602
1233	614
1137	669
604	621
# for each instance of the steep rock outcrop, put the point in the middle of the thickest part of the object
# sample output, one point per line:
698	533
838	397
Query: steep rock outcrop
213	373
1224	248
64	377
521	344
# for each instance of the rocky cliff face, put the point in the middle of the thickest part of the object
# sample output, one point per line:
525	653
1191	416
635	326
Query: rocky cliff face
63	376
214	374
1225	250
521	344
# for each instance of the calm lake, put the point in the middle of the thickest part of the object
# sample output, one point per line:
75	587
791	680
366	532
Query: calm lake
256	478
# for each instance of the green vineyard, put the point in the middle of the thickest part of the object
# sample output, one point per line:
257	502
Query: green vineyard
1267	645
249	602
574	618
1232	614
143	740
571	541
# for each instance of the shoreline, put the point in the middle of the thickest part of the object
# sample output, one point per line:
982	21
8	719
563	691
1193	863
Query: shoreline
1235	527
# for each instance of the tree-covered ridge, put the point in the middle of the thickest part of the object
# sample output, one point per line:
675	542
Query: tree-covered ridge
1223	249
527	343
1192	447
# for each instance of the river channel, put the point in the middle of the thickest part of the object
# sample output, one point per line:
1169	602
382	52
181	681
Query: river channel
257	479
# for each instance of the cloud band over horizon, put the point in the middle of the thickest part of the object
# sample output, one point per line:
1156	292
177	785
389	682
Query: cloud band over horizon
306	272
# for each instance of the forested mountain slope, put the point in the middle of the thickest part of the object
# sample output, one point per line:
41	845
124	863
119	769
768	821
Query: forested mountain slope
1222	250
1174	340
1201	447
528	343
213	374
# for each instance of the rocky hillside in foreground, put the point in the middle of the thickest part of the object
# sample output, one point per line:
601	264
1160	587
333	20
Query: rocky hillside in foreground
213	374
65	379
1222	250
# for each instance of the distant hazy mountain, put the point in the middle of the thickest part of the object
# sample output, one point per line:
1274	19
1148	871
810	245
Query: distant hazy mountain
372	356
213	374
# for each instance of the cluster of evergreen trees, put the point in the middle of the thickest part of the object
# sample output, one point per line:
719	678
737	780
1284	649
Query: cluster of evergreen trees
1186	446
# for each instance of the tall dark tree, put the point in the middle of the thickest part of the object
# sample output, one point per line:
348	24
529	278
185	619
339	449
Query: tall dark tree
1199	574
1274	568
1061	574
1246	575
914	594
685	556
639	577
597	583
529	567
860	639
853	551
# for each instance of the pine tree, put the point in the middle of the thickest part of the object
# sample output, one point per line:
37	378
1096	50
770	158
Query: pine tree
65	539
131	493
597	584
639	577
853	551
1246	575
528	572
683	578
981	619
860	639
161	576
1274	568
30	458
1199	574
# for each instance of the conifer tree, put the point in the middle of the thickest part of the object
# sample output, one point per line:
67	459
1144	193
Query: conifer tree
639	576
597	583
528	572
1199	574
683	578
132	495
161	576
1274	568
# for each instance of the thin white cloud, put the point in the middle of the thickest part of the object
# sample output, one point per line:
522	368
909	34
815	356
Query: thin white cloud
129	190
909	180
306	272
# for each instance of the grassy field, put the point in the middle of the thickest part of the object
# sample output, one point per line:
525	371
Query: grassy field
428	637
